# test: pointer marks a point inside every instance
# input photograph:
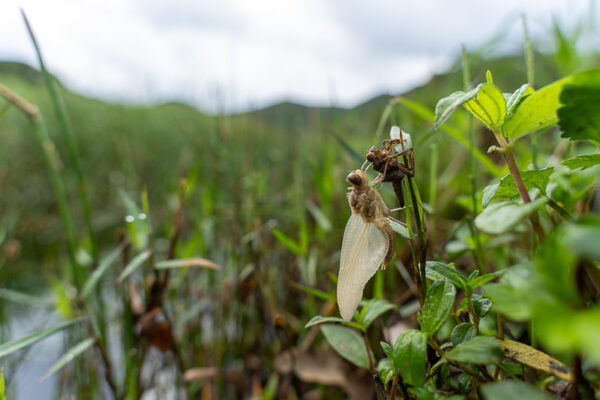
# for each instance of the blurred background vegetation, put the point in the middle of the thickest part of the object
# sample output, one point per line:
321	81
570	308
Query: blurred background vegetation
263	197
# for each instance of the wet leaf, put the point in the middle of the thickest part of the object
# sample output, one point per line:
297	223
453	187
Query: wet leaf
348	343
385	370
511	389
479	350
76	350
438	305
463	333
534	358
18	344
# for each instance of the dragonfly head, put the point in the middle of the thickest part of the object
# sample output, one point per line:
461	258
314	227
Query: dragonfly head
357	178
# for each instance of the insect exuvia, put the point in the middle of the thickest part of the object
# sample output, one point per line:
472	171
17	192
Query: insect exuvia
368	242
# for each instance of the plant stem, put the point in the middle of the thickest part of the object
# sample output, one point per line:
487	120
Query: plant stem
52	161
371	365
473	313
394	384
65	123
467	370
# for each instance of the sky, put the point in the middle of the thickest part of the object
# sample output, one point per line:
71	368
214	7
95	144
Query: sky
235	55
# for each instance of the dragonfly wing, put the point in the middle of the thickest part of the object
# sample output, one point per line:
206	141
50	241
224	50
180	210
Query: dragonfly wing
363	250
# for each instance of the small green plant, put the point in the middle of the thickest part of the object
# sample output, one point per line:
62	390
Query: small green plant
477	346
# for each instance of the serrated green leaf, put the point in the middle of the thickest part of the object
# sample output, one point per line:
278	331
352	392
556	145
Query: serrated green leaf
440	270
134	264
438	305
502	217
18	344
512	389
374	309
463	333
515	98
583	161
535	112
446	106
318	319
75	351
410	356
489	107
479	350
579	117
347	343
103	266
507	189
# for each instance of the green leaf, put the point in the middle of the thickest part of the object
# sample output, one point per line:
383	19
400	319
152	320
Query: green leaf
562	329
535	112
2	394
463	333
400	229
512	389
583	161
289	243
76	350
516	98
410	356
488	194
555	265
483	279
579	117
374	309
134	264
319	216
537	178
479	350
348	343
440	270
103	266
22	298
438	305
318	319
137	222
581	237
15	345
502	217
481	305
385	370
314	292
388	350
489	107
446	106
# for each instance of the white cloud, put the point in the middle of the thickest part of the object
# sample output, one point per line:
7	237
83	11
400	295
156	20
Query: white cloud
233	54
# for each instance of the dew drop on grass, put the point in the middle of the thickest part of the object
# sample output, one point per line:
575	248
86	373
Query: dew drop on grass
142	216
129	218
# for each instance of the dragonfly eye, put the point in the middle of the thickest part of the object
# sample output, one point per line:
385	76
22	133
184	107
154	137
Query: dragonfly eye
354	179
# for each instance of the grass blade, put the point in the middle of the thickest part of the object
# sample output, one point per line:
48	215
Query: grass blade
187	262
22	298
104	265
134	264
15	345
76	350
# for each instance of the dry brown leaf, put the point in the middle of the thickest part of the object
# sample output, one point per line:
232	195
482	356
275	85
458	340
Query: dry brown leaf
198	374
536	359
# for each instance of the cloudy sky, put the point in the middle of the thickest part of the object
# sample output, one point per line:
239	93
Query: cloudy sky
233	55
